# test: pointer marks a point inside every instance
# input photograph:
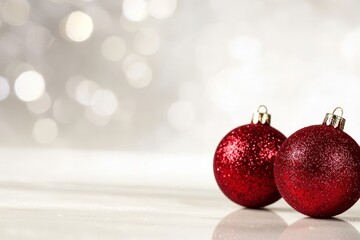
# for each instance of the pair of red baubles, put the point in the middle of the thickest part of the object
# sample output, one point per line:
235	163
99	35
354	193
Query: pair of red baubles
316	170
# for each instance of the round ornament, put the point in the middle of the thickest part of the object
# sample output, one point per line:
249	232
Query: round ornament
317	170
243	162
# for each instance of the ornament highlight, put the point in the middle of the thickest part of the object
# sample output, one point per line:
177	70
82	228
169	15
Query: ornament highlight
317	170
244	159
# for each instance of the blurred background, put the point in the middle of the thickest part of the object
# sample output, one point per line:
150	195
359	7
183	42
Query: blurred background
172	76
111	110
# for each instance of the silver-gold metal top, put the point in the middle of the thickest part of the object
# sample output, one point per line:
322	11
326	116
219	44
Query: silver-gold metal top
261	116
332	119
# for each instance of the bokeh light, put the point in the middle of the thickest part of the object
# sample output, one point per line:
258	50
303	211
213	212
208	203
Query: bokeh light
15	12
139	74
135	10
147	41
71	85
4	88
29	86
85	90
45	130
96	119
161	72
137	71
104	102
78	26
113	48
162	8
40	105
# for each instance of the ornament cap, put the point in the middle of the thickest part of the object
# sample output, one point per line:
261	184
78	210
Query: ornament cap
332	119
261	116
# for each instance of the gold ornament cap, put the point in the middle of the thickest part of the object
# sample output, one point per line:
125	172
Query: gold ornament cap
332	119
261	116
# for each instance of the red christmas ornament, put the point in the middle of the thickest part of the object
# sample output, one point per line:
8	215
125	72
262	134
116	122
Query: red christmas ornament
317	169
243	162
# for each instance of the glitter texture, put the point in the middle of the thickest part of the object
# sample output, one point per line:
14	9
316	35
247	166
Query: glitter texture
243	164
317	171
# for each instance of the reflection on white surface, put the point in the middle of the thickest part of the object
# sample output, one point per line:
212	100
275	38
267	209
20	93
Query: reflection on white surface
115	195
74	211
97	211
253	224
250	224
312	229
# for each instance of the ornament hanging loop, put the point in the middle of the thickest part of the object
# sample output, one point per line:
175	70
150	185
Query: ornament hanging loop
336	121
262	107
341	111
261	116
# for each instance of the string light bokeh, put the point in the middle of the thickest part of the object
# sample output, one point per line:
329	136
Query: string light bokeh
168	75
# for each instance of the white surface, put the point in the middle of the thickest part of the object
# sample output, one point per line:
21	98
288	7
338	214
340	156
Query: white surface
88	203
122	168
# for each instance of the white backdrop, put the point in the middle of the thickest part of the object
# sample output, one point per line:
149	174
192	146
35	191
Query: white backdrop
172	76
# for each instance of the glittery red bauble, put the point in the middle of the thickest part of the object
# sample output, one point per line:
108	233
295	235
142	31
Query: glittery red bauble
317	171
243	164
